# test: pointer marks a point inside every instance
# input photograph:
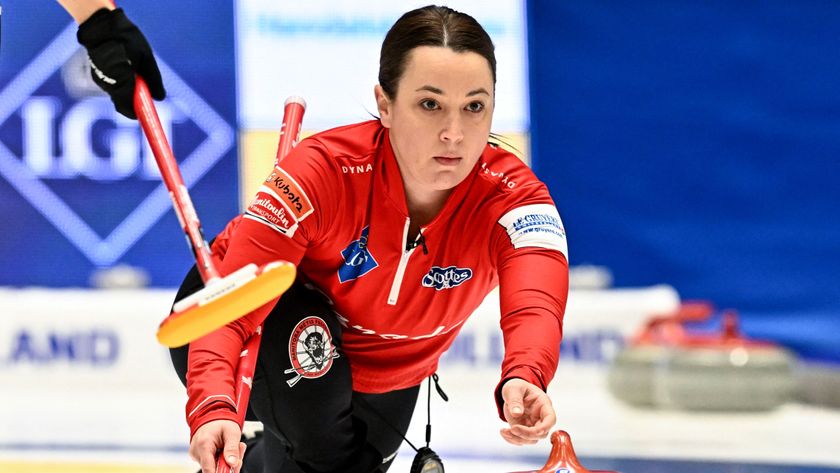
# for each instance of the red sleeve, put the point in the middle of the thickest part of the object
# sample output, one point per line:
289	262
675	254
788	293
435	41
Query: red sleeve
291	209
533	286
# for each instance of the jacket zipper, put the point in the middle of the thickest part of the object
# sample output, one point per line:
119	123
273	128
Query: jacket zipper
406	254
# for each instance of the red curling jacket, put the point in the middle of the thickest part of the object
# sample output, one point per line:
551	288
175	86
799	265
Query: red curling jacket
336	208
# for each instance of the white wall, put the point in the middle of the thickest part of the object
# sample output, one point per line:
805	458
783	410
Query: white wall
83	368
328	52
87	361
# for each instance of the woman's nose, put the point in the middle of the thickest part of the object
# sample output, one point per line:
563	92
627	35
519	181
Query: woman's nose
453	130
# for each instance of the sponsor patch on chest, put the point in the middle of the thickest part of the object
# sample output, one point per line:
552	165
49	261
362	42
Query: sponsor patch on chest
446	278
358	260
536	225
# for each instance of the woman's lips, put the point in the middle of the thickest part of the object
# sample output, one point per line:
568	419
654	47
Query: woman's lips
447	160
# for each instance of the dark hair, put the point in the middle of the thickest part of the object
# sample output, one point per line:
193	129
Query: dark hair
430	26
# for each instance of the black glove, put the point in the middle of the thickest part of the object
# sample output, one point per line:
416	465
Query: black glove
117	51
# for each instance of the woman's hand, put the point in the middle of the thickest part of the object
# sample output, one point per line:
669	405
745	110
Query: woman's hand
529	412
214	436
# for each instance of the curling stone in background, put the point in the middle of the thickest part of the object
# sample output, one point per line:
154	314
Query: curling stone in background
563	458
819	384
632	372
730	372
667	366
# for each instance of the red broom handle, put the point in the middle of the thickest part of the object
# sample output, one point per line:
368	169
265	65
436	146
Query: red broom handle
289	134
147	114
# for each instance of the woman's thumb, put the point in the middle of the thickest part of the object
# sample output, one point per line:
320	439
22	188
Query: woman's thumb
231	450
514	403
513	394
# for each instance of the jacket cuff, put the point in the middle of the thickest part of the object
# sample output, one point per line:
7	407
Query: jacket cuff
219	410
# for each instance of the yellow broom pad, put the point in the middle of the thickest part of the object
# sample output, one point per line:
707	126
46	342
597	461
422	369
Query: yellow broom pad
224	301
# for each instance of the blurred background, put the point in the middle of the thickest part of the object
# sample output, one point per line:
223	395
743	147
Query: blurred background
692	149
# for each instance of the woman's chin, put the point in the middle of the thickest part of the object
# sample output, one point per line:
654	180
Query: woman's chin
446	181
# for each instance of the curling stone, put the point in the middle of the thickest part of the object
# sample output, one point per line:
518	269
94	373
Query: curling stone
819	384
667	366
632	374
562	458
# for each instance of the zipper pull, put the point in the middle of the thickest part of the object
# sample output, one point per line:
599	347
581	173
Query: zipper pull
419	241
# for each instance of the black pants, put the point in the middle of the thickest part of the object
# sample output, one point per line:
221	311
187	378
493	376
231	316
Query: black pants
302	393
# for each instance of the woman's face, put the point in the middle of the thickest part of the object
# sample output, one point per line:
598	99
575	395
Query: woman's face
440	119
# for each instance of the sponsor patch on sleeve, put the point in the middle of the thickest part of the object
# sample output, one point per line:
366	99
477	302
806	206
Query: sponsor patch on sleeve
289	192
267	209
536	225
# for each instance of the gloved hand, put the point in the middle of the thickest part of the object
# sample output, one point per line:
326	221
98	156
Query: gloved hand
117	51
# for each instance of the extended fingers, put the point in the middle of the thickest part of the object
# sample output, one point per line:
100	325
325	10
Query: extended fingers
535	432
535	424
511	437
547	417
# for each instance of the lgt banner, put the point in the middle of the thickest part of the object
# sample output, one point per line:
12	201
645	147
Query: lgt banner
79	188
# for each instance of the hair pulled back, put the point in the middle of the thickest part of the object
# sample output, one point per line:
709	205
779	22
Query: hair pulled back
430	26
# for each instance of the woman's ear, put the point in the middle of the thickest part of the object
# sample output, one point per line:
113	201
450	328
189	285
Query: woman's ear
383	104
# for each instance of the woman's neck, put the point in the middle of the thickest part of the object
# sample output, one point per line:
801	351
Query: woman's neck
424	206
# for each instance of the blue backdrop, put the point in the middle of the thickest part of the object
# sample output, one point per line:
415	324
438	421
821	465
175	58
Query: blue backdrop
78	191
698	144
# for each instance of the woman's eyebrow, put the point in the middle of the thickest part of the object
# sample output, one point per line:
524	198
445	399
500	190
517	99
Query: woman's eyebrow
431	89
435	90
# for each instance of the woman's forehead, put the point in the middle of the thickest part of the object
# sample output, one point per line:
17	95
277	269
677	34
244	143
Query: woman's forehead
446	70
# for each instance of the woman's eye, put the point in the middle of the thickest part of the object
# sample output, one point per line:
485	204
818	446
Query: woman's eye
475	107
429	104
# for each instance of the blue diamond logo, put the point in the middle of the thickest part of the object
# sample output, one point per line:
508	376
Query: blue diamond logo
108	249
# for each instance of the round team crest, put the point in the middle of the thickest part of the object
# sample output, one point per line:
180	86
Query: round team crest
311	350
